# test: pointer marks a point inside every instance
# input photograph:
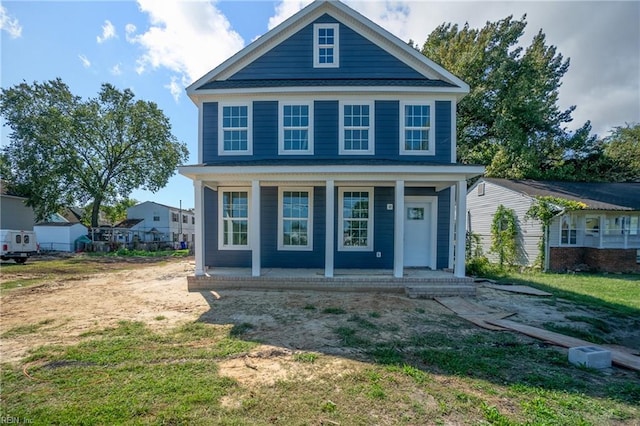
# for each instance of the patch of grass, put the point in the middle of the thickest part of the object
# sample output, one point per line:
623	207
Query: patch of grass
334	310
374	314
240	329
309	307
160	318
599	324
576	332
26	329
350	338
308	357
362	323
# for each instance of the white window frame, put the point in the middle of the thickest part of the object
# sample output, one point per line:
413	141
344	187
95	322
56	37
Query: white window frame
317	46
221	219
431	130
634	225
281	245
594	232
572	226
342	150
249	128
281	128
370	219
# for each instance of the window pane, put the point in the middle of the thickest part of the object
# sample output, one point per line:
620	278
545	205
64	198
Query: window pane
355	219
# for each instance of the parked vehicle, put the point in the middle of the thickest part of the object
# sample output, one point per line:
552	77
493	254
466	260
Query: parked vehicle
17	245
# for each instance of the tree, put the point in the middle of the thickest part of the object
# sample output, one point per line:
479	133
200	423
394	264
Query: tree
64	150
622	150
510	120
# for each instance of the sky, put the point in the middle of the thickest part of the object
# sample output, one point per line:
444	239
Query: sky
156	48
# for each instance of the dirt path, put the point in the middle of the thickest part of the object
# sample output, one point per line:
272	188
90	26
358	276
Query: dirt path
156	294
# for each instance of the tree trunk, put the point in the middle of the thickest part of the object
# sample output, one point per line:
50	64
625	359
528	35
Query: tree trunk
95	212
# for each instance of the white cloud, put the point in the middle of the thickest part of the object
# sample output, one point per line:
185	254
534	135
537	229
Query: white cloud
115	70
85	61
286	9
130	30
9	24
189	38
108	32
175	88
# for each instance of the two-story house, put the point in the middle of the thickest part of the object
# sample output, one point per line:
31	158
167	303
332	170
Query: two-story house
154	222
328	143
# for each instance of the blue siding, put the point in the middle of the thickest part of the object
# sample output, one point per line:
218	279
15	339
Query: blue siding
209	131
293	58
443	131
265	129
326	128
213	256
387	130
382	236
444	204
271	256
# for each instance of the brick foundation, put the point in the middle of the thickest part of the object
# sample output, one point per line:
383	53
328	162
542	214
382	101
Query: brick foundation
598	260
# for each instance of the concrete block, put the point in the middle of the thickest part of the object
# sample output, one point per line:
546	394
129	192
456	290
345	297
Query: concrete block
590	356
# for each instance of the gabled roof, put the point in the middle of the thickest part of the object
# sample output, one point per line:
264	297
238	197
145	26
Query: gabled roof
128	223
59	224
350	18
596	195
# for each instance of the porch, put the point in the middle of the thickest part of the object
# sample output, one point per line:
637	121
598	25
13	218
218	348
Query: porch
415	282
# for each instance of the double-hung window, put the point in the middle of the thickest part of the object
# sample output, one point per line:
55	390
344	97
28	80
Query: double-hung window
568	232
416	128
296	128
357	128
326	47
235	130
233	225
295	219
356	219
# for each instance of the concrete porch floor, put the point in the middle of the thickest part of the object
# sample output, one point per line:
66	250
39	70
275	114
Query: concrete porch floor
416	282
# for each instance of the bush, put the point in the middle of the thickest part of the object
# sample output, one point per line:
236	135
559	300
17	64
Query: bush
480	266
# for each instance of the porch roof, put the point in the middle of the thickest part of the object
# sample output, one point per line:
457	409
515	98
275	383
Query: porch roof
438	175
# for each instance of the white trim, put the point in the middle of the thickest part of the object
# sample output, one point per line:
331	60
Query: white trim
281	245
454	135
330	201
199	227
221	106
398	237
433	231
370	218
452	224
431	132
461	228
371	128
250	219
254	229
309	128
572	221
335	46
200	131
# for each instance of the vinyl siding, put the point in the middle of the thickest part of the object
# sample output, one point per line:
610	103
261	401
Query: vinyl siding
293	58
16	214
483	208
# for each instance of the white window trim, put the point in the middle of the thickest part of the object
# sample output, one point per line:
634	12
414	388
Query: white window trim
591	232
221	245
249	150
336	46
432	128
281	150
341	246
372	118
573	226
281	245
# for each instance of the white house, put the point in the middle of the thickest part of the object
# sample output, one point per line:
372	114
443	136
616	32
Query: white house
59	236
604	235
154	222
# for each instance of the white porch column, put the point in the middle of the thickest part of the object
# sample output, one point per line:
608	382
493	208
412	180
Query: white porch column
329	228
398	231
199	228
461	228
254	228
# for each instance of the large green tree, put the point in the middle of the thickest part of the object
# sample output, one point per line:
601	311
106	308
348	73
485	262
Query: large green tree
65	150
622	152
510	121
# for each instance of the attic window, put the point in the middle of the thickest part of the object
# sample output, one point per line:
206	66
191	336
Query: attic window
480	189
326	52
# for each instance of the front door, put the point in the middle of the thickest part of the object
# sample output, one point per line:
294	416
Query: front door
418	232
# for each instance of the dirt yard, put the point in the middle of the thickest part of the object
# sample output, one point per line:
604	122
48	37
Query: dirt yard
156	294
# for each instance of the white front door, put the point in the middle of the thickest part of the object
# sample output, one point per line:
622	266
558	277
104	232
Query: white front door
419	238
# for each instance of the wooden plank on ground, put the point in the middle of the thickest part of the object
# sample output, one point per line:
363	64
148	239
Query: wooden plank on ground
473	312
617	357
522	289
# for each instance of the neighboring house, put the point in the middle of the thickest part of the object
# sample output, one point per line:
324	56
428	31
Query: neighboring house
14	213
59	236
604	236
154	222
328	143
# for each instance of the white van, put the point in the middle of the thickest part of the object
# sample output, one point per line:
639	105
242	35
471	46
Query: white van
17	245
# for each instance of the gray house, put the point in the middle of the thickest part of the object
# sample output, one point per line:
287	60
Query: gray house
603	236
14	213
